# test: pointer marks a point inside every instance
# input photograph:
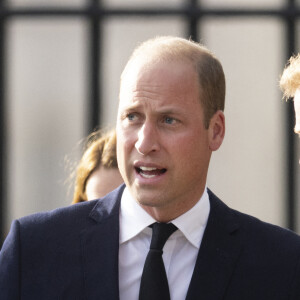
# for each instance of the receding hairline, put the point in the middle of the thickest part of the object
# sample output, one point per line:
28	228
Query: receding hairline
208	68
167	48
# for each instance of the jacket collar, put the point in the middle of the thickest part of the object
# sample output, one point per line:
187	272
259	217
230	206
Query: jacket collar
218	254
108	207
100	249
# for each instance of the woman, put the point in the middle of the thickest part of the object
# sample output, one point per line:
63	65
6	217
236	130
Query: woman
97	172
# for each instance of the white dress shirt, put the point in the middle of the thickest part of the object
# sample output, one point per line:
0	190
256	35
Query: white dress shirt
179	253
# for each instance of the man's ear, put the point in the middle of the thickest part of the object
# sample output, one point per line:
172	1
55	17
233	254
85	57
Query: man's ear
216	130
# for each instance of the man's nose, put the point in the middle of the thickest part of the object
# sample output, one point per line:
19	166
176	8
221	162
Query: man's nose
148	139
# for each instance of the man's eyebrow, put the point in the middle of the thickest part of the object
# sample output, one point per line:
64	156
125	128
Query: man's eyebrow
169	110
131	107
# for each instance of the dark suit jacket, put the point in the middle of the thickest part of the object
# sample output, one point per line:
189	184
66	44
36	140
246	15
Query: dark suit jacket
72	253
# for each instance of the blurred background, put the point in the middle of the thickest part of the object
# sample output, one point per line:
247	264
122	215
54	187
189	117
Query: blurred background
60	63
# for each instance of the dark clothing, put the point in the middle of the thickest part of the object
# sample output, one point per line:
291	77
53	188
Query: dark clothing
72	253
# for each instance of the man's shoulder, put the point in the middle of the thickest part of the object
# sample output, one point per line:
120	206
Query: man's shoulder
254	229
265	232
59	217
75	216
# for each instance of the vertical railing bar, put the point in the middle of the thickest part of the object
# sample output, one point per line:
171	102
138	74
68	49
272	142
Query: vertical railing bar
93	114
193	20
290	123
3	119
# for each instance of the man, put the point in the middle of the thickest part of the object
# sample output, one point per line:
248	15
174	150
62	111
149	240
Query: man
290	85
170	119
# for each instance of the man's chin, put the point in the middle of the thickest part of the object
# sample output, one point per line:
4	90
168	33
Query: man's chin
148	198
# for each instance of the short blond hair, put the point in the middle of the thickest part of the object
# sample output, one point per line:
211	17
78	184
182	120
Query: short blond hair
290	78
207	66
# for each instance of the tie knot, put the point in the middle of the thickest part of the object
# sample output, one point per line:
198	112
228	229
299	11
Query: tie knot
160	233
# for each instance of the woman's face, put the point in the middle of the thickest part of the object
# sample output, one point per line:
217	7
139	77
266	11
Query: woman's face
102	181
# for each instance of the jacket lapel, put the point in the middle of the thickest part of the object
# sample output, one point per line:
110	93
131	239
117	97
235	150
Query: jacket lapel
100	248
218	253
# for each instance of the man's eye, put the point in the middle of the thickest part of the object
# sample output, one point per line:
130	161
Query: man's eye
169	120
131	117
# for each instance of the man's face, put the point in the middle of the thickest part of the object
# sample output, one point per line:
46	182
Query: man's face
297	111
162	146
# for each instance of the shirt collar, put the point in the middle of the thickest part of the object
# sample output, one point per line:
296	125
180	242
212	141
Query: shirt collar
193	222
134	219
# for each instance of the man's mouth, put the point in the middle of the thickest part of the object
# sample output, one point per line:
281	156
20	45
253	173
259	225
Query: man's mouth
149	172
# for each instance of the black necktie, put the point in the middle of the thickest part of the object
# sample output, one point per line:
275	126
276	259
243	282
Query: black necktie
154	282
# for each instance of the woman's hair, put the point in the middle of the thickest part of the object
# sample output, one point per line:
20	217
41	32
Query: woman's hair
290	79
100	150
